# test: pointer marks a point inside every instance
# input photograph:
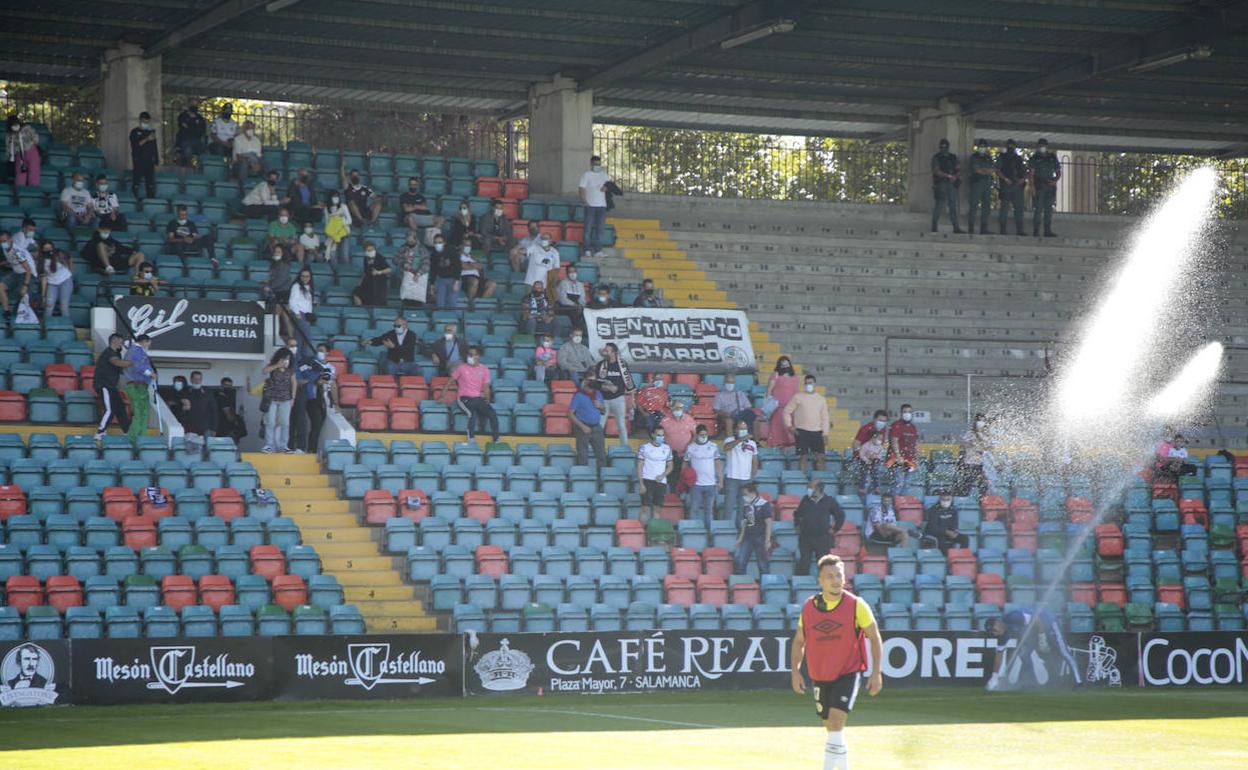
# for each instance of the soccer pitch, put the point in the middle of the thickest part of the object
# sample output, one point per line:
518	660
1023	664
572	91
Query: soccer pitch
1096	730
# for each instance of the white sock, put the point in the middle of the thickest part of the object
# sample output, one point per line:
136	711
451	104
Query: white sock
836	754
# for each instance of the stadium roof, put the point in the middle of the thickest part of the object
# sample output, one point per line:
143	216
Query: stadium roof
1123	74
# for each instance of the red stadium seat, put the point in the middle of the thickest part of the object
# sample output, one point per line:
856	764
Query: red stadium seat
63	592
1084	593
413	504
962	562
552	228
574	231
379	507
267	561
119	502
785	506
339	361
12	406
717	562
1172	594
60	377
22	591
874	565
479	505
1194	512
848	544
149	507
1109	541
1114	593
1026	539
630	534
515	189
556	420
673	508
562	391
909	510
1024	518
992	507
289	591
1078	510
414	387
991	588
351	388
519	228
677	590
404	414
13	501
746	593
686	563
139	532
491	560
712	590
227	503
371	414
178	591
382	387
216	591
489	187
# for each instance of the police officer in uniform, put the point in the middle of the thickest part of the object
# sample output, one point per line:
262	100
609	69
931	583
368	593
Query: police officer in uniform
1012	180
982	173
945	182
1044	170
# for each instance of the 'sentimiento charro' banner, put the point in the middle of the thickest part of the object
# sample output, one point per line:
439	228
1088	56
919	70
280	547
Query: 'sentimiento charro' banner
675	339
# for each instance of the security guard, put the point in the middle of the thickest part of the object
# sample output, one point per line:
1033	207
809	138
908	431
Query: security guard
982	174
1044	170
1012	180
945	182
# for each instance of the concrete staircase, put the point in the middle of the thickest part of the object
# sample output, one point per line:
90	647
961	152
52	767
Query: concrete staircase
348	550
648	247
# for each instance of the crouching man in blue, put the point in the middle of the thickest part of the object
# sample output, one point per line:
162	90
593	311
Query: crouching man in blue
1038	636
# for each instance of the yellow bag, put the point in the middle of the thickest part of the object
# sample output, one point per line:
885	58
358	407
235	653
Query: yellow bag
336	229
257	390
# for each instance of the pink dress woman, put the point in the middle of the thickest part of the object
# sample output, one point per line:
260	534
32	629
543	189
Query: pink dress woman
782	388
22	150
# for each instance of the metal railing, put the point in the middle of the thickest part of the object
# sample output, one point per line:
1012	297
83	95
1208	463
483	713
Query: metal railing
1129	183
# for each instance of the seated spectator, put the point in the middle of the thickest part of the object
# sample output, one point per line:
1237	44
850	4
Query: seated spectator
602	299
1172	461
544	357
363	203
312	244
574	358
412	260
247	158
520	251
472	380
57	277
940	525
192	131
199	417
275	289
76	209
444	266
223	131
472	276
647	298
870	458
21	144
679	427
414	209
495	229
301	307
106	206
144	282
229	422
464	228
108	255
731	405
26	238
448	351
182	238
282	232
402	347
882	526
536	313
302	201
651	403
262	201
570	298
375	281
337	230
540	261
22	279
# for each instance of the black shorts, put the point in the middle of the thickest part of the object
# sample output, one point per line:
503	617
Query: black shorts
839	694
653	492
809	442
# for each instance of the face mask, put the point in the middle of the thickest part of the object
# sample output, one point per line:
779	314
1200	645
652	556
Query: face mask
946	503
79	184
448	337
746	499
148	274
472	360
293	348
308	230
182	221
398	327
658	440
102	187
196	386
879	424
907	416
355	181
810	388
498	212
602	298
576	338
730	386
463	212
678	413
467	251
785	366
571	276
6	245
277	257
438	247
743	432
334	200
106	234
658	383
812	492
702	439
321	355
273	183
545	244
283	220
370	253
30	234
595	168
177	386
547	344
647	291
979	424
145	125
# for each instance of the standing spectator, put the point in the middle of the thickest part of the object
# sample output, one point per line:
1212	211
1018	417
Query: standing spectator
975	456
806	415
602	299
301	307
322	396
140	377
144	282
651	403
945	182
647	298
464	228
414	208
375	282
223	131
1012	178
304	206
413	262
654	465
313	246
229	422
444	266
144	156
732	405
703	457
107	254
280	391
755	531
106	206
282	231
740	467
276	288
781	387
448	351
22	280
200	419
520	252
543	257
983	171
617	387
21	145
679	427
183	239
877	424
192	128
882	526
247	153
472	278
401	349
870	457
262	200
593	192
176	401
536	313
76	209
26	238
473	380
337	230
574	358
940	524
495	228
544	357
903	450
570	298
818	517
57	276
362	202
297	436
588	414
108	368
1044	170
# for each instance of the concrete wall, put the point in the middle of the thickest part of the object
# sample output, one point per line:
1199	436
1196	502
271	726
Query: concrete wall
928	125
561	137
131	84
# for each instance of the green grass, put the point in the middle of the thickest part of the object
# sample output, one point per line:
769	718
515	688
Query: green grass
927	729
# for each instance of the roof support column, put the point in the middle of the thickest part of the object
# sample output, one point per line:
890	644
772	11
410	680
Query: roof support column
928	125
561	136
131	84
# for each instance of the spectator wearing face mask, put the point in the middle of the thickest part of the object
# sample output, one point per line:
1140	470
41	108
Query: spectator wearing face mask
448	351
200	416
593	192
781	387
304	206
587	413
570	298
182	238
106	206
76	209
616	383
882	526
602	299
322	395
222	132
654	465
679	427
544	357
279	388
473	381
647	298
301	306
361	200
464	227
520	252
413	262
806	415
703	457
192	130
414	208
176	399
282	231
140	376
543	257
247	156
1172	461
940	525
870	456
974	458
22	280
536	313
445	267
57	277
903	450
731	405
144	156
21	145
818	517
375	281
740	467
755	531
651	403
472	276
401	346
495	229
262	201
144	282
574	358
108	255
275	289
337	230
313	245
230	422
877	424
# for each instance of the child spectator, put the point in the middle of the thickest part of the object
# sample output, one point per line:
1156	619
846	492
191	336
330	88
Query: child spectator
544	356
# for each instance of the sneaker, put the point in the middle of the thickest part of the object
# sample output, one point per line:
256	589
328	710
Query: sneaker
298	452
268	450
600	254
99	438
109	269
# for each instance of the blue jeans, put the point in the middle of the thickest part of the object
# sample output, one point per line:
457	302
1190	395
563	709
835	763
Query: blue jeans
595	218
732	499
870	478
405	367
901	479
751	545
444	293
702	502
